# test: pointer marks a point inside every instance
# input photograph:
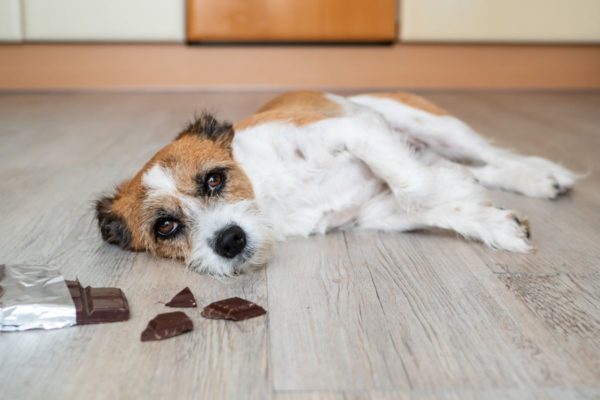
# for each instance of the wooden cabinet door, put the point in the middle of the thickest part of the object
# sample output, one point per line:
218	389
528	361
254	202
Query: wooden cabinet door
291	20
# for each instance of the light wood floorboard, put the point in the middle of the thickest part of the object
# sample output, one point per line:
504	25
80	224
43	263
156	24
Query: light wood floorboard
355	315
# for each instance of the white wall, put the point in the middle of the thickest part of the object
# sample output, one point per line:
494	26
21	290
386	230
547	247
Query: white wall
104	20
500	20
10	21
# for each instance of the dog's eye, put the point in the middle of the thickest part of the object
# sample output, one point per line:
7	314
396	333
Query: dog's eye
166	227
213	182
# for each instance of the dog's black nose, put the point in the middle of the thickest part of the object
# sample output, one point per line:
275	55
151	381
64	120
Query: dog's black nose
230	241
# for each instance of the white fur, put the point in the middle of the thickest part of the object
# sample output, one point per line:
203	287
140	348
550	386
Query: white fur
209	220
453	139
159	181
358	170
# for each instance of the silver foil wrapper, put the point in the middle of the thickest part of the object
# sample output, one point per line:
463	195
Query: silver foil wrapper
34	297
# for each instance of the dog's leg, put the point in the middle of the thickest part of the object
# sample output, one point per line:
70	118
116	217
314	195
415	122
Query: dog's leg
495	227
479	220
442	195
531	176
455	140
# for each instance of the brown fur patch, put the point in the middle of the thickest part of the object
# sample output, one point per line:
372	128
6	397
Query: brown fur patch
299	108
303	100
298	118
177	247
412	100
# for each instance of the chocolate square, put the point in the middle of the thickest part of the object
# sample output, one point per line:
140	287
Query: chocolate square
235	309
98	305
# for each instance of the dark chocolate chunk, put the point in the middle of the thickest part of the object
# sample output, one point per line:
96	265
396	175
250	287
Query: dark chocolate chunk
235	309
167	325
183	299
98	305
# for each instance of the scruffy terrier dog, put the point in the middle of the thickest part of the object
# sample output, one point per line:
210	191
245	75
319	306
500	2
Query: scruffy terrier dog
219	196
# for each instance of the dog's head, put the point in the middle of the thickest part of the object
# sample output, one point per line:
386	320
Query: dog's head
192	202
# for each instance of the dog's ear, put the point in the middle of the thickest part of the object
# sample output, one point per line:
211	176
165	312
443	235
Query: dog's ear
112	226
208	127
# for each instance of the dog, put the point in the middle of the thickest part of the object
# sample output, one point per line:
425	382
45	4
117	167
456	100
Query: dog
220	196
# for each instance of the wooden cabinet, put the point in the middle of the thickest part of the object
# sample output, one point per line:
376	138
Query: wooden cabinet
500	20
291	20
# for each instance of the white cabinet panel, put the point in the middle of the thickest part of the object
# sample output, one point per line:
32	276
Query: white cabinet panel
10	21
104	20
500	20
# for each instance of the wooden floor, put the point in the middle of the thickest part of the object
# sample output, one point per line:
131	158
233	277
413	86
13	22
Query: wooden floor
350	315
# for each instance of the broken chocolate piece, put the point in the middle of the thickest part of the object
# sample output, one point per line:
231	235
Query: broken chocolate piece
98	305
235	309
183	299
167	325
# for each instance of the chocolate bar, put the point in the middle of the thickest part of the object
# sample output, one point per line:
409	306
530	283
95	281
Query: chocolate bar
167	325
235	309
98	305
183	299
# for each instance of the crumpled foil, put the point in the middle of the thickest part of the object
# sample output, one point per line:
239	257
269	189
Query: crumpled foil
34	297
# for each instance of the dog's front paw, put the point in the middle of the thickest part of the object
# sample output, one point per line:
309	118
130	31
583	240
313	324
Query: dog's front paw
507	231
